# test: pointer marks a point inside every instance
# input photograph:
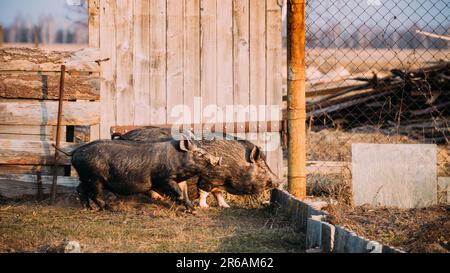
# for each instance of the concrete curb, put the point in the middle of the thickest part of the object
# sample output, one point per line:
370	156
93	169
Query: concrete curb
322	235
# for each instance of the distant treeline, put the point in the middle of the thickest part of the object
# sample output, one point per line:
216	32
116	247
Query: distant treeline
364	37
48	31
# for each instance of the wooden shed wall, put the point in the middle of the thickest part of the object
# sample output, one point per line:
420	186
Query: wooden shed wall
167	52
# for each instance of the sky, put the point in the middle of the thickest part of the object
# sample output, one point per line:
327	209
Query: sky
383	13
33	9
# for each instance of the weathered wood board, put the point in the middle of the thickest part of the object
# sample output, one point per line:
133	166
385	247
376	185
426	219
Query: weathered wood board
17	59
19	185
46	113
31	169
46	87
20	152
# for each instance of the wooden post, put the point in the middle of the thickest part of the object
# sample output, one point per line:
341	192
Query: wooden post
296	20
36	37
1	36
58	131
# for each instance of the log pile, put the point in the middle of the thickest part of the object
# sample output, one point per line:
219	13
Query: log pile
415	103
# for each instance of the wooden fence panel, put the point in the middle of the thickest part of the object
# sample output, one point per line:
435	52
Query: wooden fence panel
108	46
158	61
274	78
226	52
141	65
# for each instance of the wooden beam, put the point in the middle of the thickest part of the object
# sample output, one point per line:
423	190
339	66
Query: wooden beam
30	169
245	127
17	185
20	152
35	59
45	87
45	113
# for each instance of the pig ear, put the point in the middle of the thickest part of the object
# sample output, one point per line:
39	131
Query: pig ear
185	144
255	154
215	161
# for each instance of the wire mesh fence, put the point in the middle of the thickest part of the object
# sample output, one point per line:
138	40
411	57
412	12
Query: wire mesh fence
378	72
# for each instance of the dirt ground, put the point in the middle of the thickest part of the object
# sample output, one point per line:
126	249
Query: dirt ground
137	225
425	230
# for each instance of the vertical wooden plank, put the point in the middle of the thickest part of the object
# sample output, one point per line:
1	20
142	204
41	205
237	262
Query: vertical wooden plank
108	48
175	58
141	68
94	132
192	57
208	60
158	61
94	23
274	78
224	63
257	66
124	50
241	32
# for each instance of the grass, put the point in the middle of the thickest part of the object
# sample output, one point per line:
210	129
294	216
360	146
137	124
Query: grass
145	227
414	230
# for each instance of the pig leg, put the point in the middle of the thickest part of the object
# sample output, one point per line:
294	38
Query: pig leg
184	188
84	199
155	196
98	191
220	200
176	191
203	197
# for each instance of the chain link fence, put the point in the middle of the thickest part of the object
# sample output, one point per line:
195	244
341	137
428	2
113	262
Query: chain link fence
378	72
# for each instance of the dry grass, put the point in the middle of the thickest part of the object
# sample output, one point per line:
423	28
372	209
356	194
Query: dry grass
335	145
413	230
137	226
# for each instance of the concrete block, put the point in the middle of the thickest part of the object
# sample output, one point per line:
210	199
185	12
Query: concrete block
374	247
328	231
394	175
356	244
314	233
340	239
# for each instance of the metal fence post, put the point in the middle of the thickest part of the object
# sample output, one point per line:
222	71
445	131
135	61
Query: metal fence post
296	21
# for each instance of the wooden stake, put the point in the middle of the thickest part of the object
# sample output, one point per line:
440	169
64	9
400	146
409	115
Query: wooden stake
297	97
58	132
36	37
1	36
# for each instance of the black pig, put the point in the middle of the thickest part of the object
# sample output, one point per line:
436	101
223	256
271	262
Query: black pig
126	168
243	168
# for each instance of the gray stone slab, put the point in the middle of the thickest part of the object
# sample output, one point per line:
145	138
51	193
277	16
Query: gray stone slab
314	233
356	244
394	175
374	247
341	236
